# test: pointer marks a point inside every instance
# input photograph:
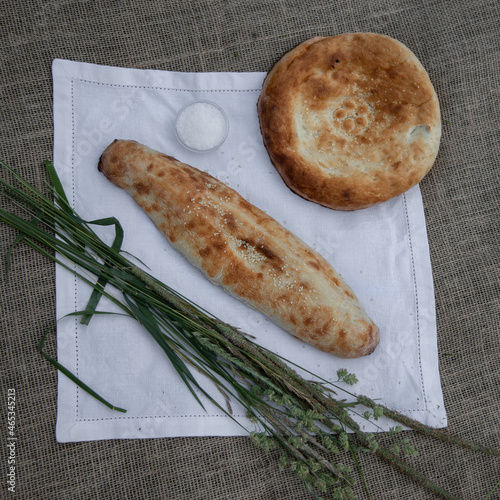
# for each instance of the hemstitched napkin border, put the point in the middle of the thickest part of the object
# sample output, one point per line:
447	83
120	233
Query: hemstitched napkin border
77	148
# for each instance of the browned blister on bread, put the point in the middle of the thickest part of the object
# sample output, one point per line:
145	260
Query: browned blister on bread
350	121
241	248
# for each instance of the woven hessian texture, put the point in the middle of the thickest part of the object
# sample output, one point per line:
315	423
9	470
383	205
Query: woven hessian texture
459	44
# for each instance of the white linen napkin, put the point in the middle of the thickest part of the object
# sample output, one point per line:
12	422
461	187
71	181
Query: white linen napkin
381	252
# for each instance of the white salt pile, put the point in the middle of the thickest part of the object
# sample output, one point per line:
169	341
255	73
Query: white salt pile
201	126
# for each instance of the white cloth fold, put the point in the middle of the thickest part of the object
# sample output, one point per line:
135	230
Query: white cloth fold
382	252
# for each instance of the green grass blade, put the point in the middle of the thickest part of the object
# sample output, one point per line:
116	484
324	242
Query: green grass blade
63	202
33	222
488	496
111	221
103	313
360	470
74	378
96	295
144	316
58	188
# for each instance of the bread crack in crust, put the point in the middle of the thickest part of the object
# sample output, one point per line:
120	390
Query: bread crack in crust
350	121
241	248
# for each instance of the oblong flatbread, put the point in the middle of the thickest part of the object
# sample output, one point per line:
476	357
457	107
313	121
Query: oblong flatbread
240	247
350	121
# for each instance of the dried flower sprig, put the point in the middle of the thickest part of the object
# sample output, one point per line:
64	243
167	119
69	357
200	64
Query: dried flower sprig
302	418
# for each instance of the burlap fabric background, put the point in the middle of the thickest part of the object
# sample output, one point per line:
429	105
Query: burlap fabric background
458	42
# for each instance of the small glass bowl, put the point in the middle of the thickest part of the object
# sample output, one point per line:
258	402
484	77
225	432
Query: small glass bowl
194	127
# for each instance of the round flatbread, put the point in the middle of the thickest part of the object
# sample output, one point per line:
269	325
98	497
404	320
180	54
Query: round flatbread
350	121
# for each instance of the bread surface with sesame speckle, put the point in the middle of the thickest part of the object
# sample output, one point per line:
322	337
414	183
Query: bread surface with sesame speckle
240	247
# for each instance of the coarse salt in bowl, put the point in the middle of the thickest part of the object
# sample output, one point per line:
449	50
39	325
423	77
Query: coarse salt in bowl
201	125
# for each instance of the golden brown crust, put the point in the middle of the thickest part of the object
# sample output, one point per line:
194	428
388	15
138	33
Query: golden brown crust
241	248
350	121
